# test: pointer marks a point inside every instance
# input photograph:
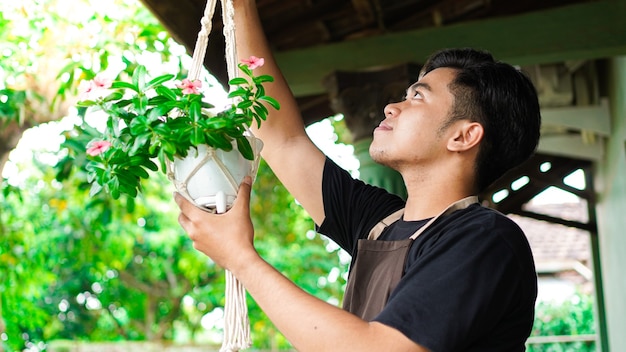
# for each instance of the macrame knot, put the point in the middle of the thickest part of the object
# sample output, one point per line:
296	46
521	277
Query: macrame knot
205	22
229	27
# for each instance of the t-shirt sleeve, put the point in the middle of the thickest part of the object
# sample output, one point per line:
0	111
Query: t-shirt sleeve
463	280
352	207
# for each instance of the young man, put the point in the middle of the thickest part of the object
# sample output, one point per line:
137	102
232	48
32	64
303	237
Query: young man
439	272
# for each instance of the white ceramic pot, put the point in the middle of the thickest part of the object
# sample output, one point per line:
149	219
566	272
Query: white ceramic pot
211	177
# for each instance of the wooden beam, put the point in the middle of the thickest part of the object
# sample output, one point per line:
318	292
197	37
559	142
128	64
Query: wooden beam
584	31
596	118
571	146
555	220
169	15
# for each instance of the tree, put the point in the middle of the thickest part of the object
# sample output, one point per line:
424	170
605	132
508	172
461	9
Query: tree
571	317
45	53
76	267
86	268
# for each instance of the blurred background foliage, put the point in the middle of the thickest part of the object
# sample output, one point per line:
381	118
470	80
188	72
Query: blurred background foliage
91	269
572	317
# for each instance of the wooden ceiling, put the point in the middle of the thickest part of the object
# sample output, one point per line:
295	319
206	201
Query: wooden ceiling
313	38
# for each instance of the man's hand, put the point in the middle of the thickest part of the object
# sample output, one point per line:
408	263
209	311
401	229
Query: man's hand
226	238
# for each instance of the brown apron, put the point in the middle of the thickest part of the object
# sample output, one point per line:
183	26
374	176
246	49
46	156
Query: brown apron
379	265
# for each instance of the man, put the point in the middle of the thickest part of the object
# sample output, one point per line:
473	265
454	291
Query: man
437	273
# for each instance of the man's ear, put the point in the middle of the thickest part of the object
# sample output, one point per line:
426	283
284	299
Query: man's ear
467	135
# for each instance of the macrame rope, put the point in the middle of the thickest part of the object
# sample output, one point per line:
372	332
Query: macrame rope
236	321
199	51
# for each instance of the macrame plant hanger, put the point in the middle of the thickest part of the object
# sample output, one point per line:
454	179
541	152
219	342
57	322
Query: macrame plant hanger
236	321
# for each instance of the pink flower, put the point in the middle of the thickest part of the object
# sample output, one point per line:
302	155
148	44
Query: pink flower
84	90
101	82
98	148
190	87
254	62
95	88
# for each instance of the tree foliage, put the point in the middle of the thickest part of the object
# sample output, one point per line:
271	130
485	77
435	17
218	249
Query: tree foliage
45	51
90	268
571	317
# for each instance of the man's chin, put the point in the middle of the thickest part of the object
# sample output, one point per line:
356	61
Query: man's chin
379	157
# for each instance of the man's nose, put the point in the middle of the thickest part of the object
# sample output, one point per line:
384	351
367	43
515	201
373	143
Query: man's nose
391	110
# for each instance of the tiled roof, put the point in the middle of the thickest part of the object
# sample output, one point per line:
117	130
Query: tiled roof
557	247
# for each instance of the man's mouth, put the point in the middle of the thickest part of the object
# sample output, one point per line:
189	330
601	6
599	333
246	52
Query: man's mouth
383	126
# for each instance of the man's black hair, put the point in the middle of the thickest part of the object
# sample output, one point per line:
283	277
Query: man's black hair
499	97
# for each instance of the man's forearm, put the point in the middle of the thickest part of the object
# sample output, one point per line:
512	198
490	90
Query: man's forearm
311	324
295	160
251	41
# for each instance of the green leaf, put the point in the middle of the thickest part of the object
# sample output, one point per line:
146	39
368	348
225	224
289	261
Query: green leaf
85	103
95	189
128	189
237	81
241	92
71	67
140	103
159	80
260	91
135	160
161	110
197	137
139	77
149	164
206	105
117	95
166	92
215	123
273	102
138	125
162	157
263	79
260	112
124	85
125	178
245	104
139	172
169	148
195	111
245	69
219	141
123	103
243	144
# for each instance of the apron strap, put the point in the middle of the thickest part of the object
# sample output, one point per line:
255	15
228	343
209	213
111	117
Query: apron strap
458	205
377	230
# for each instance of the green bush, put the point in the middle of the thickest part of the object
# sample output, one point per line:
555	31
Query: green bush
571	317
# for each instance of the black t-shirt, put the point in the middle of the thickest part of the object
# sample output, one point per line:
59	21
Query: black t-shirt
469	281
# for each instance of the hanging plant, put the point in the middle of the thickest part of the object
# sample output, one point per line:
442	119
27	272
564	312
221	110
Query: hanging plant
161	119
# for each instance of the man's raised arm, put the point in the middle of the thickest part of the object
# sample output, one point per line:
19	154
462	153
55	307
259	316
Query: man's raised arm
295	160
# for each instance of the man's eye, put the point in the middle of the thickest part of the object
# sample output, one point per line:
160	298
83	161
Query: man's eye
412	94
415	95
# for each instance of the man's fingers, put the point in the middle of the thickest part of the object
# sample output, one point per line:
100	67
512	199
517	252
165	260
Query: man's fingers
181	201
187	210
187	207
243	194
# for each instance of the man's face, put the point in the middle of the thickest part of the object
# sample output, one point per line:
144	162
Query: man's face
411	132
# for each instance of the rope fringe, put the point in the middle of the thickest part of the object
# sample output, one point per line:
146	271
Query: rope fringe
236	321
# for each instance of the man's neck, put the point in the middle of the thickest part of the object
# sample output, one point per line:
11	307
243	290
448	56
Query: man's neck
429	196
